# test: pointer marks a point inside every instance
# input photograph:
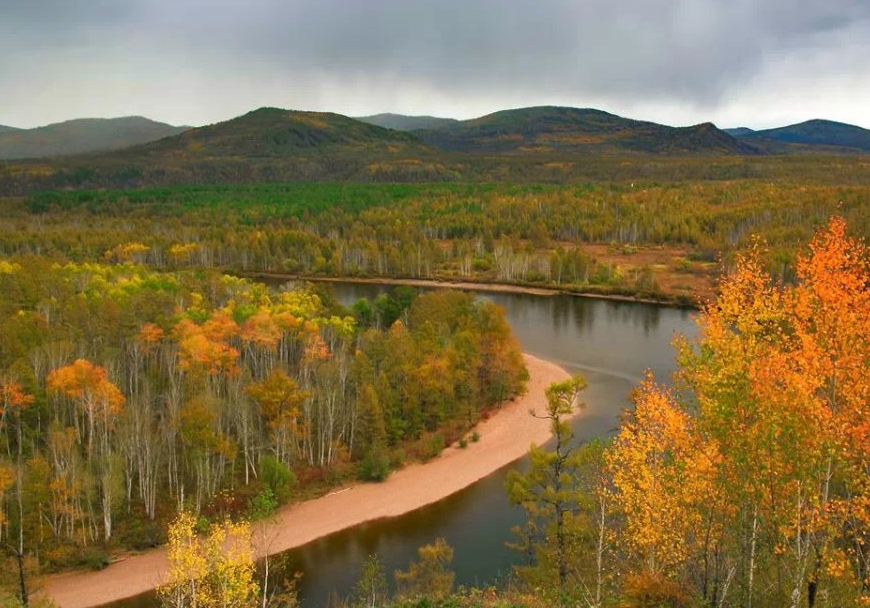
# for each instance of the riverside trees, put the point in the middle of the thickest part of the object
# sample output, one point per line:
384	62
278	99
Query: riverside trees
548	492
130	394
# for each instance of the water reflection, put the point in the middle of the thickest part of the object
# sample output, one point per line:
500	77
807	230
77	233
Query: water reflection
612	343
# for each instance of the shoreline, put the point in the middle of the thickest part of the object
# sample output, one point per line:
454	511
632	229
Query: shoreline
467	286
504	438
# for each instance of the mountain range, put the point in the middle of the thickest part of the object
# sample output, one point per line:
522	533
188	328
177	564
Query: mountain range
525	131
545	143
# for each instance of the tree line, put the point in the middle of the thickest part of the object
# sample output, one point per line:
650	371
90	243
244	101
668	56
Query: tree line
515	234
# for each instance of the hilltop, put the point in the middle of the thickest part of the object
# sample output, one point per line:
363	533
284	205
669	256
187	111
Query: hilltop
81	135
400	122
584	131
274	132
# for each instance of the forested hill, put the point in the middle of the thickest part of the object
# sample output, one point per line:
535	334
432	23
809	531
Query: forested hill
579	131
81	135
812	133
541	144
274	132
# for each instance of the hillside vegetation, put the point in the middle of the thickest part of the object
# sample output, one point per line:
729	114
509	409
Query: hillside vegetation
579	131
272	132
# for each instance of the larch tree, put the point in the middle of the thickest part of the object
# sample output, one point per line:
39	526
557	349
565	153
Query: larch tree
548	492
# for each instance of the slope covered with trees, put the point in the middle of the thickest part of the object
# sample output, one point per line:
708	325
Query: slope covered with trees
579	131
815	132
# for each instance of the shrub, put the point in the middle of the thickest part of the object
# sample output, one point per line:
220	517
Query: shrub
463	443
475	437
263	504
434	445
277	477
95	558
647	590
397	458
375	466
481	264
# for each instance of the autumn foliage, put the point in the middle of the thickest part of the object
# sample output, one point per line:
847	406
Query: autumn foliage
746	482
750	485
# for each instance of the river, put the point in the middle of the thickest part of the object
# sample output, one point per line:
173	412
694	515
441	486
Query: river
612	343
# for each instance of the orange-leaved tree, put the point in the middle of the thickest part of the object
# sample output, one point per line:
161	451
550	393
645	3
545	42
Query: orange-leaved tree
98	402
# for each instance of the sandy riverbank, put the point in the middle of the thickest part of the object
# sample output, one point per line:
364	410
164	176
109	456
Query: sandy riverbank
463	285
503	438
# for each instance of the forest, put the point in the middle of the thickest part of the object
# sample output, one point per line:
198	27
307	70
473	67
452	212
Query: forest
153	391
129	394
665	242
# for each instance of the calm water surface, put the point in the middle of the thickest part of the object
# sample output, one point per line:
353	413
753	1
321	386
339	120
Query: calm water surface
611	343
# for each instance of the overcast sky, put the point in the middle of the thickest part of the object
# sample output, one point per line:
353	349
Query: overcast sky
754	63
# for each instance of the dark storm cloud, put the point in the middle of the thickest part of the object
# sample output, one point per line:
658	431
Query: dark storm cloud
628	52
635	48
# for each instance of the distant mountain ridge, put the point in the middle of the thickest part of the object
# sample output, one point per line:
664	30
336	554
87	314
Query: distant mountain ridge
401	122
739	131
586	131
816	132
543	144
81	136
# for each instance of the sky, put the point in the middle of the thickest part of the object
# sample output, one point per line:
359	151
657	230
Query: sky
756	63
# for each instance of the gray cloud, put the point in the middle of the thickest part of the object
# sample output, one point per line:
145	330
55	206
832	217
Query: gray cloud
199	60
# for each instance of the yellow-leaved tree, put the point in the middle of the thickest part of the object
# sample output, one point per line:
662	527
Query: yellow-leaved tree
215	570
